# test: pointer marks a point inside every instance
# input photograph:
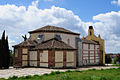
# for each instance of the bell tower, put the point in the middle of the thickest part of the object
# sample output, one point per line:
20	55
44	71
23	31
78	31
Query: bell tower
91	31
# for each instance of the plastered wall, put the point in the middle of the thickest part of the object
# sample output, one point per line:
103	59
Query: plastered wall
70	59
44	58
33	55
58	58
72	39
49	35
24	57
24	63
24	51
33	58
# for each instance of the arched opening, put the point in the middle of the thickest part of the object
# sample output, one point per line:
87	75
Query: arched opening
90	33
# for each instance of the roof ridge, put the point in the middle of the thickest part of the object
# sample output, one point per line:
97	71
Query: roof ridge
49	28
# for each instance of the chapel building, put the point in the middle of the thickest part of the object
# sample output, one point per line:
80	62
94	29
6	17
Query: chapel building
56	47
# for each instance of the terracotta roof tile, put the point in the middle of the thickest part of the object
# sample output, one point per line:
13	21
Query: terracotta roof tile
49	28
26	43
89	41
54	44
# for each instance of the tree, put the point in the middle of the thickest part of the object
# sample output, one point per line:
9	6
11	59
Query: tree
4	52
115	60
11	58
7	55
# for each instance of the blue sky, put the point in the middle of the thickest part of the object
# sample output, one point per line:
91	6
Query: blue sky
18	17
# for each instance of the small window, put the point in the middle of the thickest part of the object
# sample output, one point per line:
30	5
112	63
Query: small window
58	37
16	52
40	36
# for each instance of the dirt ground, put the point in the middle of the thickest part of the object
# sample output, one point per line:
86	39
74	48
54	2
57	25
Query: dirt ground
40	71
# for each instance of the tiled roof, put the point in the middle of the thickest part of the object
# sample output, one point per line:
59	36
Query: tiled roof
26	43
49	28
53	44
89	41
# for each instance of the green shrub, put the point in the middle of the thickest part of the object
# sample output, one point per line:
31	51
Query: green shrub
57	72
103	78
97	78
115	60
118	67
102	69
91	69
77	71
65	77
68	71
46	74
13	78
53	73
38	75
27	77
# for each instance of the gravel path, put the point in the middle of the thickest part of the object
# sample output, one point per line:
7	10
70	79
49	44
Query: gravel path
40	71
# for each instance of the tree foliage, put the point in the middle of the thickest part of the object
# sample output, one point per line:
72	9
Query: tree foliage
4	52
115	60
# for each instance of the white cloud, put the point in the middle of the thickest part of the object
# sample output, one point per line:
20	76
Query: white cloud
35	3
108	26
116	2
17	21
